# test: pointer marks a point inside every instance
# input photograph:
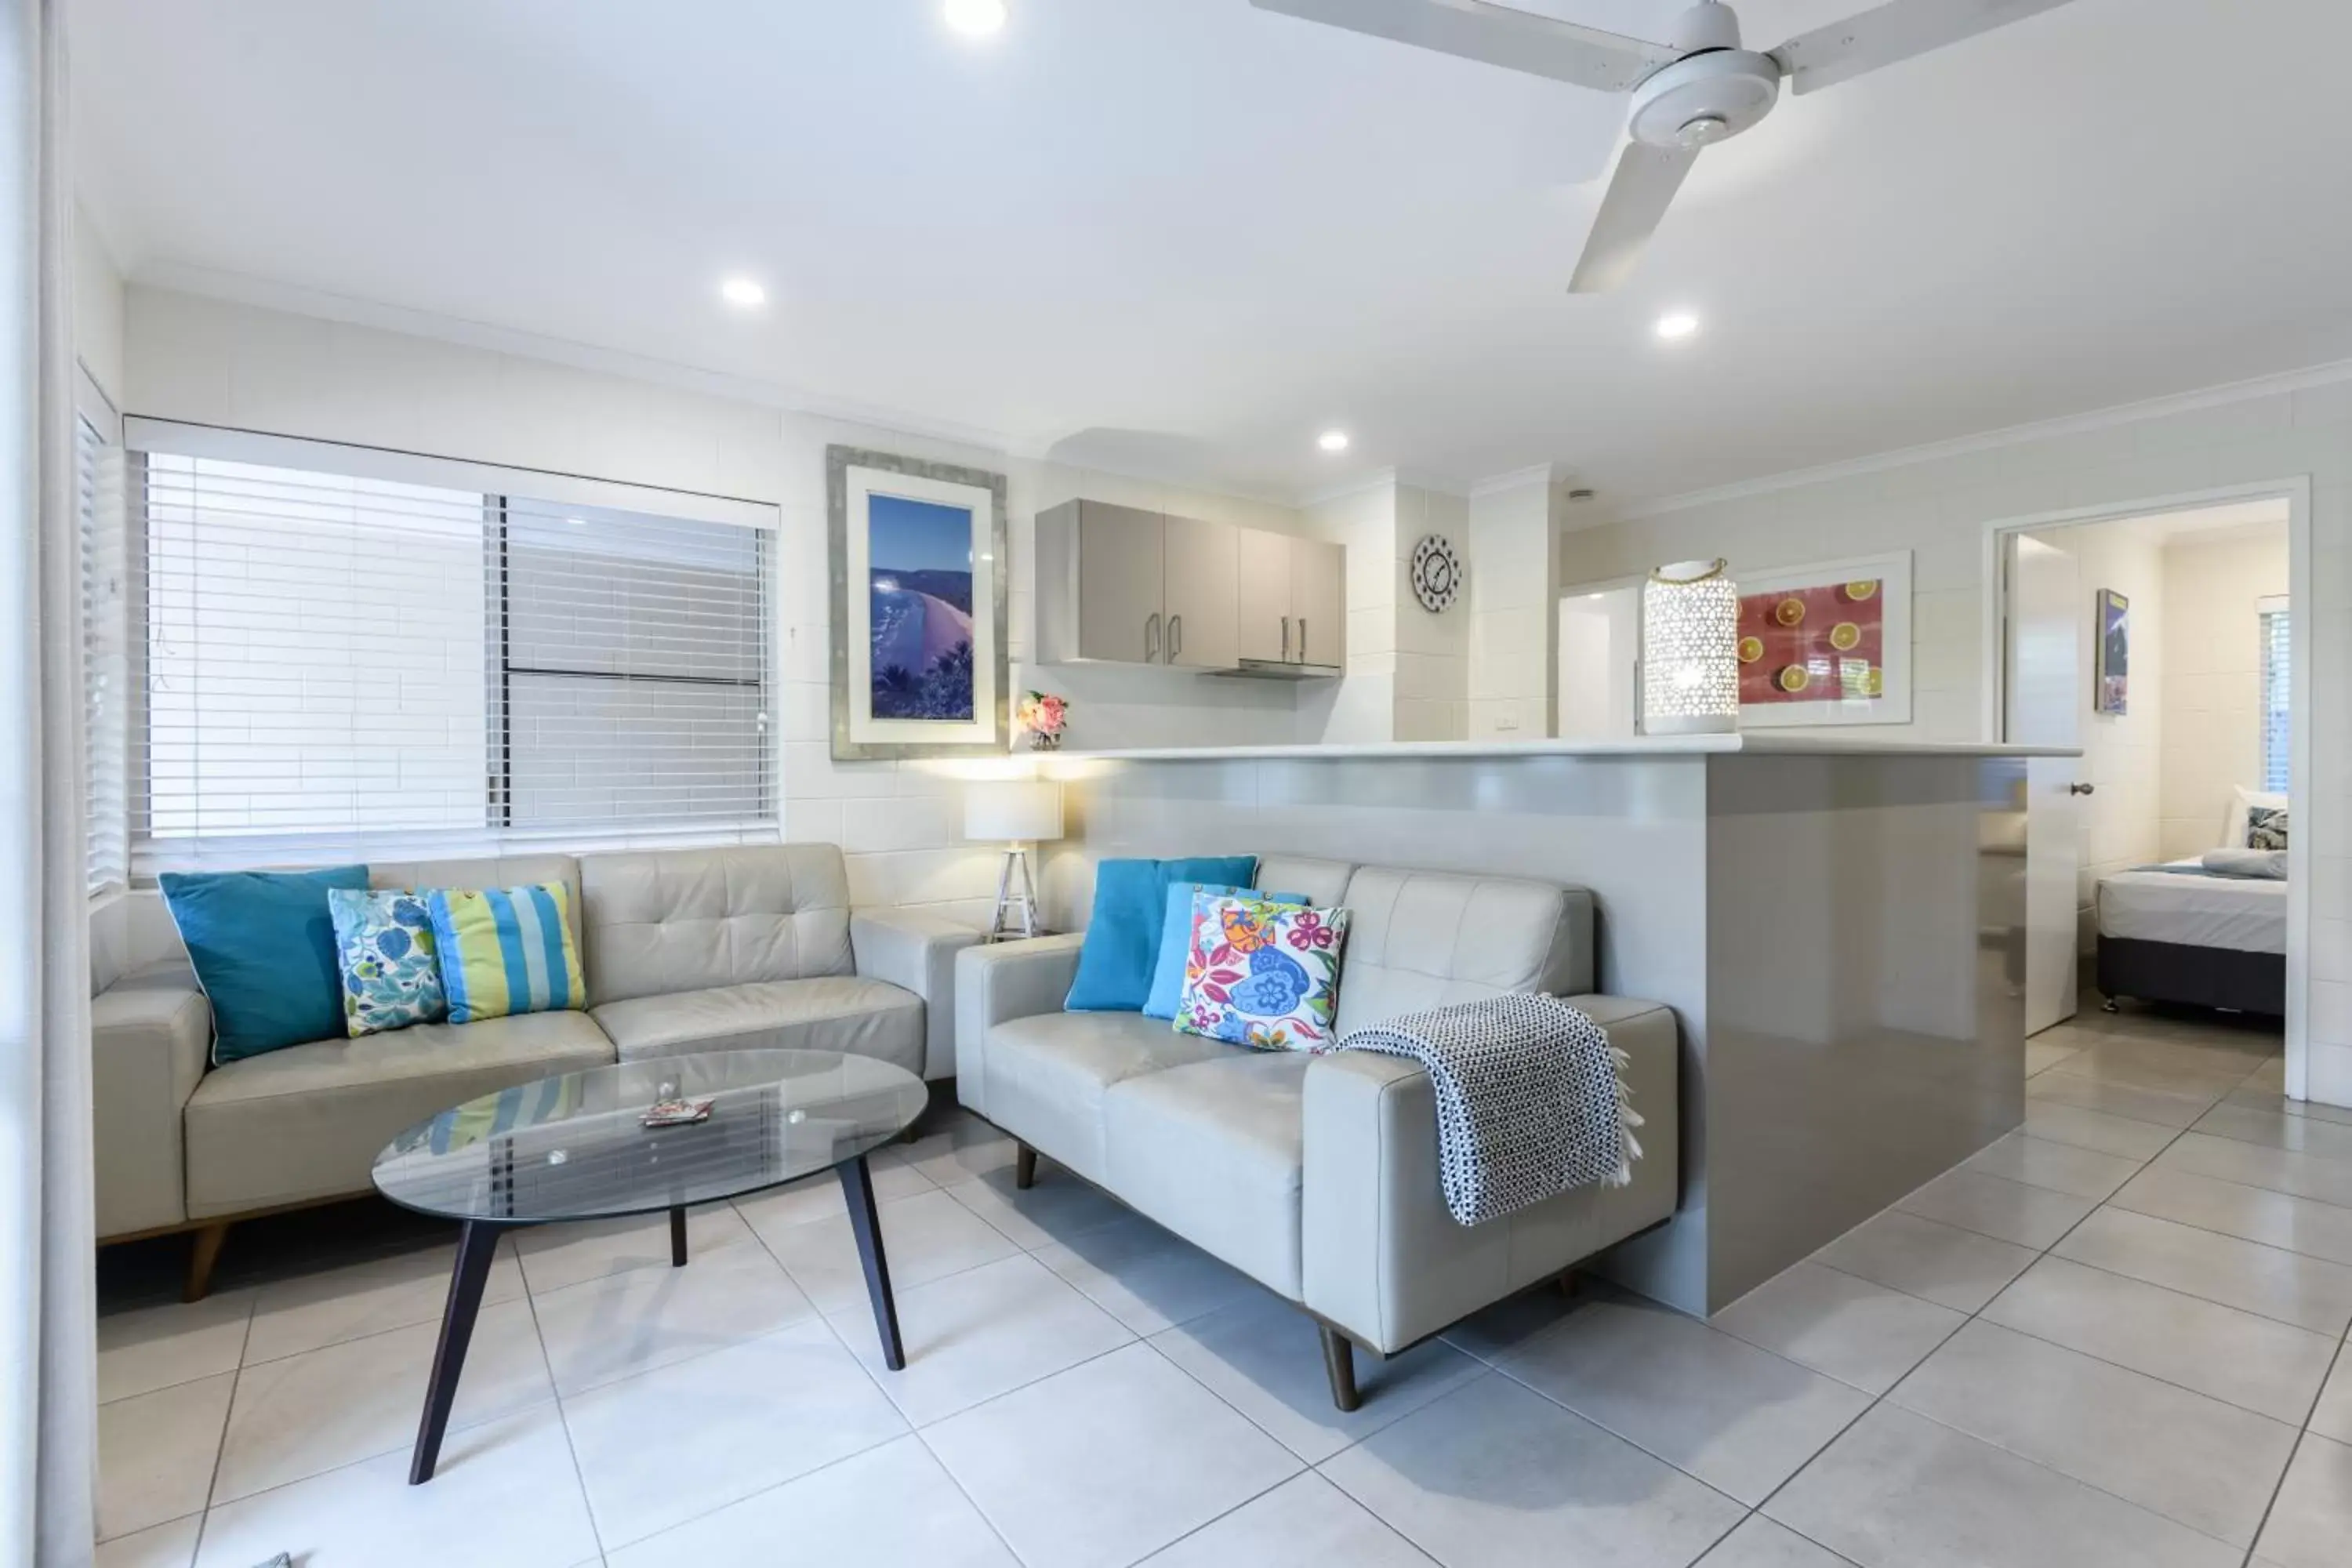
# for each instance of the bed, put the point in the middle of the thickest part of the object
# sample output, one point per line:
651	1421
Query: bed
2175	933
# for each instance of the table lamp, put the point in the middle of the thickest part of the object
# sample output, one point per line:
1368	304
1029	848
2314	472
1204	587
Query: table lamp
1016	813
1690	650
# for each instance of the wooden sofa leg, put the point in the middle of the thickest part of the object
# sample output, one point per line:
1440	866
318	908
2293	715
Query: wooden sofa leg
1024	1167
1340	1365
203	1253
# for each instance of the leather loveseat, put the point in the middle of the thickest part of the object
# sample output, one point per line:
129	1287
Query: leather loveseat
683	951
1318	1175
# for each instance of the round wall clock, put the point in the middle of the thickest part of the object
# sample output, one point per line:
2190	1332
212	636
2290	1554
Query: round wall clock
1436	573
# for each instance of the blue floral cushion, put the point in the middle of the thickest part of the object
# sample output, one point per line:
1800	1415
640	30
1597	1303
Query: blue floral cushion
392	967
1262	975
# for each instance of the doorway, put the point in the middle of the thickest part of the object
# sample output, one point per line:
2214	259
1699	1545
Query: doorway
2160	641
1600	682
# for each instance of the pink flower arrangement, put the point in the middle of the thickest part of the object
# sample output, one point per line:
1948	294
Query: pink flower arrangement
1043	716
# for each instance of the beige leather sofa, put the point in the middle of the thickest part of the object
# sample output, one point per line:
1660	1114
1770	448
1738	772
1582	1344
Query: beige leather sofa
683	951
1318	1175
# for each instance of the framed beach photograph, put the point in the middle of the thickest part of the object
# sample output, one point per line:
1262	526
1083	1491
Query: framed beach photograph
919	662
1826	644
2112	690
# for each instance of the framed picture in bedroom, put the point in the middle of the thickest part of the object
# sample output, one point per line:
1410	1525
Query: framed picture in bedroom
2111	690
920	661
1826	644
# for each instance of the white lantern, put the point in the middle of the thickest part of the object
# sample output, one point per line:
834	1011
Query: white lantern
1690	650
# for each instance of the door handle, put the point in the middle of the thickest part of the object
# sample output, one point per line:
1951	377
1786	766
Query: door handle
1151	637
2082	789
1285	637
1175	637
1302	639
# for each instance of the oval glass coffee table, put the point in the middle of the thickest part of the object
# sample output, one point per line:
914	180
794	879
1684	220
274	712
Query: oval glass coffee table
575	1147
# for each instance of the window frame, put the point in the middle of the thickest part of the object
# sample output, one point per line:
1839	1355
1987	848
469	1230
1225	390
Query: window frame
499	487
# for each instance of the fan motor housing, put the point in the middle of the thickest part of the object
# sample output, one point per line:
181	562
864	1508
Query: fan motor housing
1705	97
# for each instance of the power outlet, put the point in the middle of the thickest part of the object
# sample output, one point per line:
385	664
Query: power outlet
1507	721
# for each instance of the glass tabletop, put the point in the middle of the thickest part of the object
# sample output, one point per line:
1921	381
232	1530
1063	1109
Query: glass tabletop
575	1146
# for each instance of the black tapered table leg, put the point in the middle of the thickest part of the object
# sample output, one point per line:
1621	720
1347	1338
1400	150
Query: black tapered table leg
858	1186
678	1238
476	1247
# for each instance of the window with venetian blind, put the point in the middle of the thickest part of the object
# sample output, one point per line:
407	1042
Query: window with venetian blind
105	664
354	654
2278	664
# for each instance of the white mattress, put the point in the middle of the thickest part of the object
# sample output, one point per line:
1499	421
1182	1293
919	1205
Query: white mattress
2246	913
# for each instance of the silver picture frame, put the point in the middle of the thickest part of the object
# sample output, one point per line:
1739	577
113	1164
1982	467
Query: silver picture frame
990	730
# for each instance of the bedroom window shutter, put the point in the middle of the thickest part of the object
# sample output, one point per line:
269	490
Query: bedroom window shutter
105	664
340	666
2277	735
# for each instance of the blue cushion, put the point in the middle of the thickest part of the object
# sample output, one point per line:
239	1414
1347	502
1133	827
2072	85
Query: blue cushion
1122	945
264	946
1176	939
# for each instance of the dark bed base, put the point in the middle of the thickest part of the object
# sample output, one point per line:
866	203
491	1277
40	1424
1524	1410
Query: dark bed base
2198	976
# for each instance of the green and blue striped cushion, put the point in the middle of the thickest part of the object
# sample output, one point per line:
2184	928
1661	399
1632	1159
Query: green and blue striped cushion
507	950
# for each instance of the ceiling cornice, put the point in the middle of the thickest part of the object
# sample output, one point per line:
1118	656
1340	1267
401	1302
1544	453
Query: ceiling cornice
2329	374
1540	474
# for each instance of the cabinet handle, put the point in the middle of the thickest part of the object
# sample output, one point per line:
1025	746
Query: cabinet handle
1285	637
1175	637
1302	639
1151	637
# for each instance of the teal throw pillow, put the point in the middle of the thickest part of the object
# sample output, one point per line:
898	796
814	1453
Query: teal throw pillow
391	968
1122	943
263	943
1176	938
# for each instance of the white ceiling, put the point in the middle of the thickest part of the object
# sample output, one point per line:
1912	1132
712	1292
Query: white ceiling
1184	236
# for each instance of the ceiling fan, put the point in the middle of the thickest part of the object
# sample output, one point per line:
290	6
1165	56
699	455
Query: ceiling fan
1687	95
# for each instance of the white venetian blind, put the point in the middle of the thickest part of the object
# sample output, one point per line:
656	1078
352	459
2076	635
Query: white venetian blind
105	664
2278	735
346	665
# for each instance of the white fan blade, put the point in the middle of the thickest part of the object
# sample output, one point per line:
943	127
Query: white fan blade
1894	31
1497	34
1638	194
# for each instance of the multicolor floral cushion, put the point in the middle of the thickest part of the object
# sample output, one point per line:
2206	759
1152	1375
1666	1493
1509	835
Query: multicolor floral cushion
392	970
1262	974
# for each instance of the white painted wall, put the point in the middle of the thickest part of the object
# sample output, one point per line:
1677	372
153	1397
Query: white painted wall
2122	753
1513	632
1940	504
210	361
2212	715
98	305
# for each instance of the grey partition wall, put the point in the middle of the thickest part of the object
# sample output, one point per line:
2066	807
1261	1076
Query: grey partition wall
1836	929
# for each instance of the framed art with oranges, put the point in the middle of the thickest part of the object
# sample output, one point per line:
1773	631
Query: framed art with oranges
1826	644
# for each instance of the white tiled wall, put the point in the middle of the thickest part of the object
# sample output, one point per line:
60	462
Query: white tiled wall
210	361
2213	698
1939	508
1514	611
1408	670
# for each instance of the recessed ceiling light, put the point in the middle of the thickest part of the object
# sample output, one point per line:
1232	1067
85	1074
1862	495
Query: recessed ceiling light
1679	324
976	18
1332	440
742	291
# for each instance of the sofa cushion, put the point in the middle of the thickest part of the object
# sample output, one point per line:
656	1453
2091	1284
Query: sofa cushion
1122	944
308	1121
1426	939
834	1013
1319	882
1213	1151
1047	1075
691	920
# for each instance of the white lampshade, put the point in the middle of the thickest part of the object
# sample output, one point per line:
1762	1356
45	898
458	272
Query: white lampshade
1012	811
1690	650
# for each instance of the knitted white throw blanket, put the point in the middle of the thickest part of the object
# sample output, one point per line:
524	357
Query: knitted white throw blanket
1531	1099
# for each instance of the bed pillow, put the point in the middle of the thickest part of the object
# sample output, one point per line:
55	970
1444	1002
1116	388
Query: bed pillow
2242	803
1123	941
507	950
391	968
2267	828
263	945
1176	942
1262	975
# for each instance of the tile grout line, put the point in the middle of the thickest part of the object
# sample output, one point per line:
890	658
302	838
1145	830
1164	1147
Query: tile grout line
2294	1451
204	1514
563	1415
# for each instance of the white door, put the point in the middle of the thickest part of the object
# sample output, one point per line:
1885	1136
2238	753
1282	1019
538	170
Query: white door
2045	699
1599	656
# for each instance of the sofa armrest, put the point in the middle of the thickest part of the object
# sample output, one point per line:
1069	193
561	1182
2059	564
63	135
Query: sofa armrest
998	982
149	1041
916	951
1385	1260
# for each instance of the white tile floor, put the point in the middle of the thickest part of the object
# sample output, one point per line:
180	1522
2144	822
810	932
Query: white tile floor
2115	1337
